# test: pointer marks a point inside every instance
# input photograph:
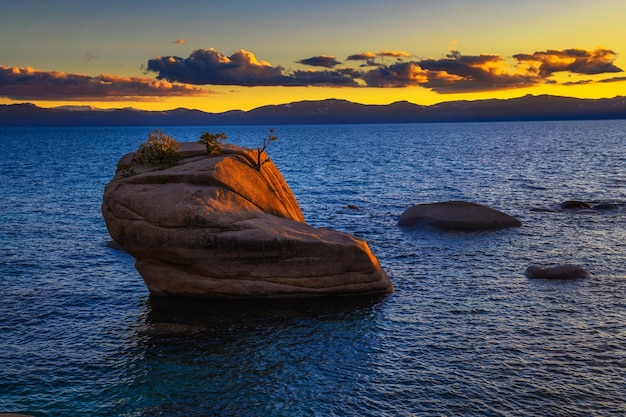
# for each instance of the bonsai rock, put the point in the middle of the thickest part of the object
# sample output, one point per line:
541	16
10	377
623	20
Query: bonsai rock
223	227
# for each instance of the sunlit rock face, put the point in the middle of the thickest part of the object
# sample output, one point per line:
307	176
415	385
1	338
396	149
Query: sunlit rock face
216	227
457	216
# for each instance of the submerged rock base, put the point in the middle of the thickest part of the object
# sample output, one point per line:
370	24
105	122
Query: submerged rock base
221	227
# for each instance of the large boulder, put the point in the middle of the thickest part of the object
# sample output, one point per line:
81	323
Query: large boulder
217	227
457	216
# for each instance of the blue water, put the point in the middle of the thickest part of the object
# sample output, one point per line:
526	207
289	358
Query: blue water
466	333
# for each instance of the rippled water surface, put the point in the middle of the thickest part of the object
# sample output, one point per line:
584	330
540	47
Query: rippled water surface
466	333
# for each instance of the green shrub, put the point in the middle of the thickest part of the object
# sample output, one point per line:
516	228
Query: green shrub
213	142
159	150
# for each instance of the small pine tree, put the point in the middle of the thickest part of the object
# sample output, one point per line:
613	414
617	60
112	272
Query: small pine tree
266	141
213	142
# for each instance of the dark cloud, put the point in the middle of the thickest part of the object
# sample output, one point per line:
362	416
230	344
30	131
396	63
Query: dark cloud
455	73
208	66
402	74
604	81
363	56
613	80
578	61
368	57
459	73
320	61
393	54
29	84
340	78
581	82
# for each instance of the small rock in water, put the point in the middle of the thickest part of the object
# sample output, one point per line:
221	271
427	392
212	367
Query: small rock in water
556	272
544	210
606	206
574	204
352	207
457	216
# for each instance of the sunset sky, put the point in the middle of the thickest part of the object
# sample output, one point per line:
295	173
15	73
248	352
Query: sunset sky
240	54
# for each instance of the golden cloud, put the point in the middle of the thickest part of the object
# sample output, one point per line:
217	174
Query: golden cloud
578	61
30	84
454	73
393	54
208	66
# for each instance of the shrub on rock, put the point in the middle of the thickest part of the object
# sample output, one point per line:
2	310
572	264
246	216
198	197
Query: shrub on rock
160	150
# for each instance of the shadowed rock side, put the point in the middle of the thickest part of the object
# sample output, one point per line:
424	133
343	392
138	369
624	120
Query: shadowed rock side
216	227
457	216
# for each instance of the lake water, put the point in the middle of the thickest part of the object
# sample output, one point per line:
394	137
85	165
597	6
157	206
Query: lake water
466	333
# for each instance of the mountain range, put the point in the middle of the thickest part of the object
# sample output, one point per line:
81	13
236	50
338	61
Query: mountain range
543	107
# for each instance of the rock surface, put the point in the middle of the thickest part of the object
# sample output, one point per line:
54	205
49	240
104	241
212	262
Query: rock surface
457	216
556	272
216	227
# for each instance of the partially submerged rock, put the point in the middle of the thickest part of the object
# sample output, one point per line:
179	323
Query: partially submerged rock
583	207
607	206
219	227
544	210
575	204
457	216
556	272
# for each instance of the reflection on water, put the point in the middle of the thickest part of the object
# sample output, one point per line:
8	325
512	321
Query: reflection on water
273	351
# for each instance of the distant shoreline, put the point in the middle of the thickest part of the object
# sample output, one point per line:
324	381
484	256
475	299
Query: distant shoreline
331	111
